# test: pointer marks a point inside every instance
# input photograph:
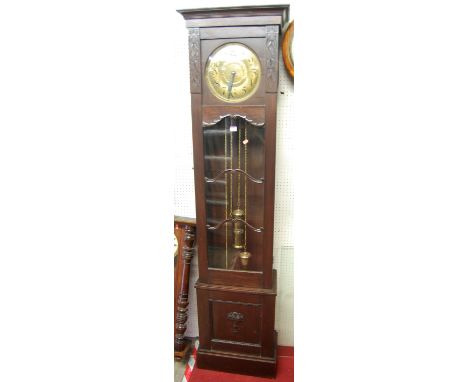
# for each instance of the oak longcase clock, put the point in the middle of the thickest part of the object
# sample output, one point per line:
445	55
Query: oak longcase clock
234	55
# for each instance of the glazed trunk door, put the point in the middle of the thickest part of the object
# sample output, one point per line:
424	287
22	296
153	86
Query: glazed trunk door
234	163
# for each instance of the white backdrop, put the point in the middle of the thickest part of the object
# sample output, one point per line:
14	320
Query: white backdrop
86	210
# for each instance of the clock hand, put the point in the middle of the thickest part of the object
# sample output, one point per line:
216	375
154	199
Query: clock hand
233	74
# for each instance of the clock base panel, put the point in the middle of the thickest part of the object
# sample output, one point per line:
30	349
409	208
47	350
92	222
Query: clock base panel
238	363
236	326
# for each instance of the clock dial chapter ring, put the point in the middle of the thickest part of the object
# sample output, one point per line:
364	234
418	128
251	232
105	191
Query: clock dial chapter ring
233	72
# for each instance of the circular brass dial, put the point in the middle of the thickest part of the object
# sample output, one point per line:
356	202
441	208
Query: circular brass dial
233	72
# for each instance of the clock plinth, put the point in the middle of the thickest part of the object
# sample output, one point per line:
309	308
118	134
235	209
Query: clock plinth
234	54
240	331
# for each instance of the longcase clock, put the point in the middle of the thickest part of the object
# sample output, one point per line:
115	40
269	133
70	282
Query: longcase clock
234	55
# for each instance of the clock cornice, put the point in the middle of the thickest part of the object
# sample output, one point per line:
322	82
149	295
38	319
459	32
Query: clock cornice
242	15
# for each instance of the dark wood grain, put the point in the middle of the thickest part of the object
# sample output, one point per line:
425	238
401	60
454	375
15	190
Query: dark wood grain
243	15
199	174
244	289
253	114
230	32
243	278
253	334
236	295
270	153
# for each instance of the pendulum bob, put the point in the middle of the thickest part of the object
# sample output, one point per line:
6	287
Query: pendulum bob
238	229
244	258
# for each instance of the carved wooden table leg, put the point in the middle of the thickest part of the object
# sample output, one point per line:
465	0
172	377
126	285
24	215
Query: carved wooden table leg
182	298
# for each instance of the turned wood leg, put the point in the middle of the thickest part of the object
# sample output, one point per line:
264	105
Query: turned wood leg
182	299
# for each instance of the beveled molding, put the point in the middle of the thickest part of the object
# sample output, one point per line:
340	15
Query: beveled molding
238	363
238	289
264	14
